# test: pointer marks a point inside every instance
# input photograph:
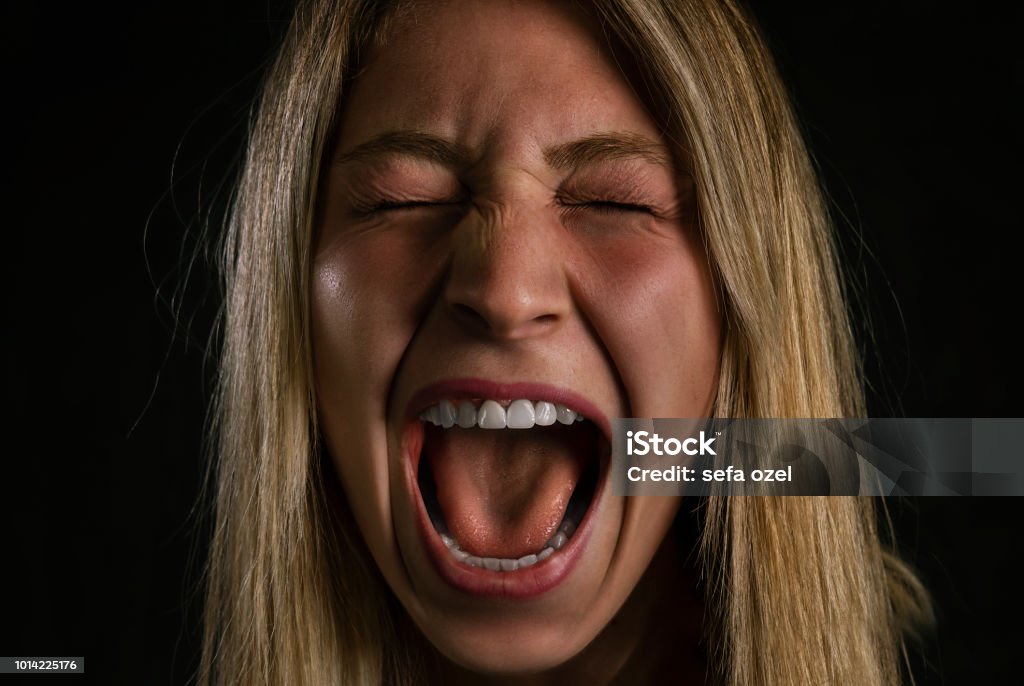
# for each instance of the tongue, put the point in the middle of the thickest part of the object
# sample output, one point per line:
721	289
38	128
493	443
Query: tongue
504	492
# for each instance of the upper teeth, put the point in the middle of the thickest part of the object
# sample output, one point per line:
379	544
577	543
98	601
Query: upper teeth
518	414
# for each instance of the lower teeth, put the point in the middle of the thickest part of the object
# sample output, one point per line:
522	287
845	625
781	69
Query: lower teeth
504	564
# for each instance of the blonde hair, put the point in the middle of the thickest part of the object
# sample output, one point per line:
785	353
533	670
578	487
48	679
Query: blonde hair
802	588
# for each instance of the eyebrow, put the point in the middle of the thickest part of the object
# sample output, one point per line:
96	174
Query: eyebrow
408	143
600	147
603	147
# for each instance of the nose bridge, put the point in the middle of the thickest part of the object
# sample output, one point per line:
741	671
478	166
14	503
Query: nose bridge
508	278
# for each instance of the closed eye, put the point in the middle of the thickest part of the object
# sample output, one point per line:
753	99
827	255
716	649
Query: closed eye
397	206
608	207
392	205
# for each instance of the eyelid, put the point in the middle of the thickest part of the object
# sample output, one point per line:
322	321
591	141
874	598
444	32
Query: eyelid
608	206
399	189
602	204
385	205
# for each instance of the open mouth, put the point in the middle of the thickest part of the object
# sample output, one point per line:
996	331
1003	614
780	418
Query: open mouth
506	487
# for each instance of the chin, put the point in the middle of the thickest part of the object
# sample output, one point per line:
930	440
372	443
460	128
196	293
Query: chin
505	651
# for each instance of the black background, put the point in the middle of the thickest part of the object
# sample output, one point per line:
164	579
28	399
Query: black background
125	127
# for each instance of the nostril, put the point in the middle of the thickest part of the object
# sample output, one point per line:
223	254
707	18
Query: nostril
501	324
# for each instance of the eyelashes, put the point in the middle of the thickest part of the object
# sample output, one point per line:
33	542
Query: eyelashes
607	207
399	205
388	206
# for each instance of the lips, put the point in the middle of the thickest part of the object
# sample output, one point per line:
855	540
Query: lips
504	479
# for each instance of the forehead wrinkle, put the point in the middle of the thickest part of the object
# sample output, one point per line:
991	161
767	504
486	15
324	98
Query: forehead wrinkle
604	147
408	143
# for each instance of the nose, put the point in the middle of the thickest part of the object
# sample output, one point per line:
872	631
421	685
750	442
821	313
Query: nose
508	279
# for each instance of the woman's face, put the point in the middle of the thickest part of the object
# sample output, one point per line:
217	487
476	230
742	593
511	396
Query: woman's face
504	238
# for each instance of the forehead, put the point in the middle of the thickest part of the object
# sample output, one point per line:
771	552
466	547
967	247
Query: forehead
525	73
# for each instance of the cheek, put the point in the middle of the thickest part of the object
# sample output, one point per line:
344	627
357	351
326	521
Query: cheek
367	294
364	305
347	375
663	329
347	336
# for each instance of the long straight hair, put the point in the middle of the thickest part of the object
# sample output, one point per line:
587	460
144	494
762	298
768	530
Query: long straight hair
801	588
